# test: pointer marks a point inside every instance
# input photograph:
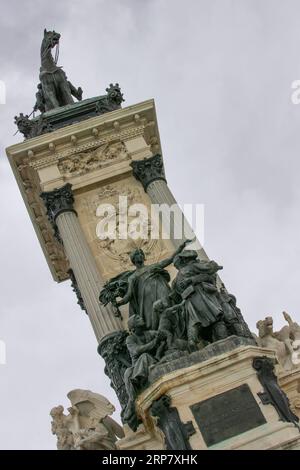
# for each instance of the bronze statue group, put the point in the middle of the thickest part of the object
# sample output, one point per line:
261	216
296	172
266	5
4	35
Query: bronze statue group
165	319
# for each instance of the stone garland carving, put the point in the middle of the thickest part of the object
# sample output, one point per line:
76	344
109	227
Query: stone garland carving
272	393
284	342
88	426
32	190
88	161
167	321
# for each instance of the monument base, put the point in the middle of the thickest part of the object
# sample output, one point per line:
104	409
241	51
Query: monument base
210	399
289	381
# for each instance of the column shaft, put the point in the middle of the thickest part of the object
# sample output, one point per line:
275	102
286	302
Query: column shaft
159	193
87	275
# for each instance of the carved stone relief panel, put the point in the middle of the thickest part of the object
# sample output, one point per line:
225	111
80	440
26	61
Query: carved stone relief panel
112	255
32	189
84	162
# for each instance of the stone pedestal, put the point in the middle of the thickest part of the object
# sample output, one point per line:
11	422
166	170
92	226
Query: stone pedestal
217	400
289	381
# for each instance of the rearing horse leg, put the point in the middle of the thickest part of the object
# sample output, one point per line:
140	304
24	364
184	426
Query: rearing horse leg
66	97
49	92
64	90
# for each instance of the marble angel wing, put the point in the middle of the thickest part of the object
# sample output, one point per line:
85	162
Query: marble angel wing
90	404
94	407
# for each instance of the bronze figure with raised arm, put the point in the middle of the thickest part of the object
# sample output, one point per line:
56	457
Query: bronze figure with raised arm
147	284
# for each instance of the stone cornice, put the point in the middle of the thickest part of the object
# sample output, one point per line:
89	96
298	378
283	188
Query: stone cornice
116	136
140	114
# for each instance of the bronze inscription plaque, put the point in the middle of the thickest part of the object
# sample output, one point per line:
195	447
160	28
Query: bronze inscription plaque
227	415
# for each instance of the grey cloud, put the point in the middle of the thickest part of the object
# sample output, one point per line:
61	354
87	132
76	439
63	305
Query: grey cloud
220	72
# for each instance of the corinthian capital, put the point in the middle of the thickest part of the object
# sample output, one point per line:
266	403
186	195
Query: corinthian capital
58	201
148	170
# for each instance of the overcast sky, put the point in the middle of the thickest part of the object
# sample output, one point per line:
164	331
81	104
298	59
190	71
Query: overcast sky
220	72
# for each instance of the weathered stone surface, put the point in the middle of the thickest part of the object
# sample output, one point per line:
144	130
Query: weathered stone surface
201	381
186	360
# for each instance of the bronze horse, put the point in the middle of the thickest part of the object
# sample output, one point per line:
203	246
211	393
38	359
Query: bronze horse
55	90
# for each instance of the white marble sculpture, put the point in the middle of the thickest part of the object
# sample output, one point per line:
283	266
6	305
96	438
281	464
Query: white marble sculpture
88	426
286	342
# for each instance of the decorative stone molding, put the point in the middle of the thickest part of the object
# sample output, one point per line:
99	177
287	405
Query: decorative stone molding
38	164
93	144
58	201
54	250
148	170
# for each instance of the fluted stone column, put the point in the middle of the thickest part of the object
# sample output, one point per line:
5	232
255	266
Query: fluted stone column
150	172
86	281
59	204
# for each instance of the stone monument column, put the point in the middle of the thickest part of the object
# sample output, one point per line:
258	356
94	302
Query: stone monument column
150	173
59	204
108	328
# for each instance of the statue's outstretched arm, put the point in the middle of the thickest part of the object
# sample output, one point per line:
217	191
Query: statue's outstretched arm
288	318
166	262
